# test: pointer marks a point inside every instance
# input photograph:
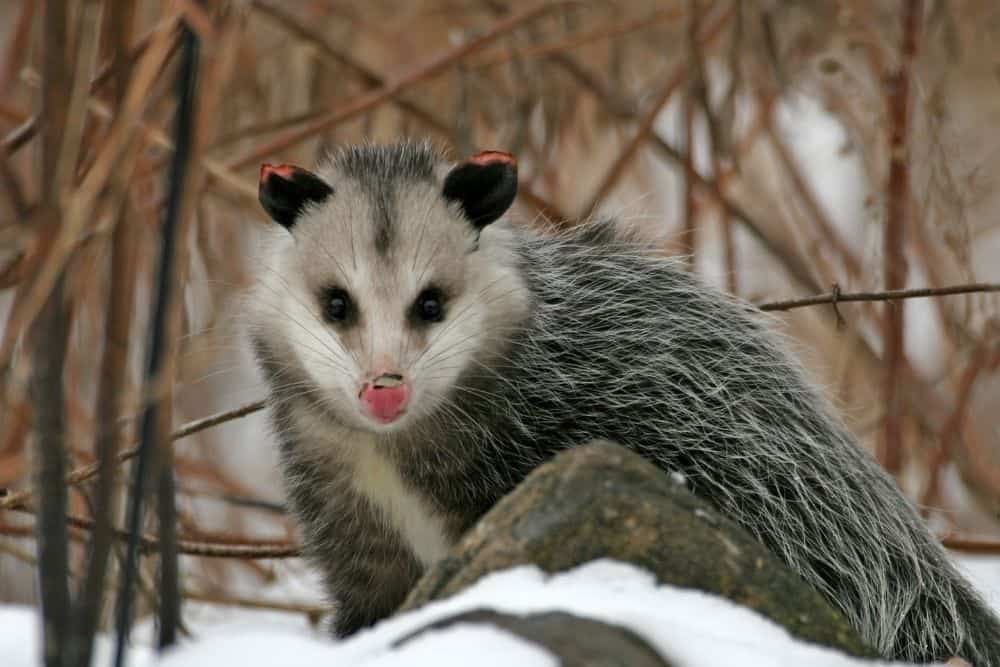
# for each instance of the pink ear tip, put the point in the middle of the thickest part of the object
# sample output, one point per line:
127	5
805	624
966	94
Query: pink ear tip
488	157
283	170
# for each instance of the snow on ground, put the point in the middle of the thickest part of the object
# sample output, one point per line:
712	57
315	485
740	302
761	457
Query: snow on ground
294	582
20	645
984	573
687	627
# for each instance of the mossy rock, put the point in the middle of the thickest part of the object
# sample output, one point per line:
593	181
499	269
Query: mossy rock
603	501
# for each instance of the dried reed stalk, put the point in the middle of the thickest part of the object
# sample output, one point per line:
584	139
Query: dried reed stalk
154	459
81	202
893	249
112	397
49	334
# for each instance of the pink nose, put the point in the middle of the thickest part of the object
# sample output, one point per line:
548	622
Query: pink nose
385	398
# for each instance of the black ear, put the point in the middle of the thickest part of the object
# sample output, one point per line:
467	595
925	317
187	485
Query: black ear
285	189
485	185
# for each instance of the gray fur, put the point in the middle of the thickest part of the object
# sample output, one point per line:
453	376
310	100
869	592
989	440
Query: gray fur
379	173
566	338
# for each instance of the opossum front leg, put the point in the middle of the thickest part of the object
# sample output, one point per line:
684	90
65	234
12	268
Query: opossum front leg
369	570
366	567
366	592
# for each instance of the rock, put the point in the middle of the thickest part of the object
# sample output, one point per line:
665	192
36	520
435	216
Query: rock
577	641
604	501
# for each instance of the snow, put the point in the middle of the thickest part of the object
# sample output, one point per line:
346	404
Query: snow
686	627
984	573
20	642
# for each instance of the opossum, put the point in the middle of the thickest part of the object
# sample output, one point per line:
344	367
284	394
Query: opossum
423	354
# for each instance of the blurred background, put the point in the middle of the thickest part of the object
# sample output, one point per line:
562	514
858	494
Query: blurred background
786	148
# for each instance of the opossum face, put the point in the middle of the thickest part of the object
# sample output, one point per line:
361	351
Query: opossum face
388	286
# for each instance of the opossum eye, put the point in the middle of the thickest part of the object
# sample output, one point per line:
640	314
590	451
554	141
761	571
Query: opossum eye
429	306
484	185
284	190
337	305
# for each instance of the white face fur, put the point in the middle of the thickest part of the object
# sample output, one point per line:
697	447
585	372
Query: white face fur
345	291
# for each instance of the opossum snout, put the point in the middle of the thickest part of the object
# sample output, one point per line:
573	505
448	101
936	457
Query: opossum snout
384	398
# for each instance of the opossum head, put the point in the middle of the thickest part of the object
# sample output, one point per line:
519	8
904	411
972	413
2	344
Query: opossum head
391	275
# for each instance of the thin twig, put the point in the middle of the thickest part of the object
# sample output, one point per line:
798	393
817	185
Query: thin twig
20	135
644	130
722	128
258	504
371	78
972	546
83	473
313	612
15	191
888	295
220	418
951	432
392	89
576	41
688	235
233	547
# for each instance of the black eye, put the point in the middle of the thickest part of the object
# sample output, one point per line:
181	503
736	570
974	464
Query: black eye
337	306
429	306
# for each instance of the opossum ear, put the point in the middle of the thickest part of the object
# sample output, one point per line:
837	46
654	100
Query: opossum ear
485	185
284	190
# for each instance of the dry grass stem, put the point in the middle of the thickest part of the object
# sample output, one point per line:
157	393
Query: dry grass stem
898	100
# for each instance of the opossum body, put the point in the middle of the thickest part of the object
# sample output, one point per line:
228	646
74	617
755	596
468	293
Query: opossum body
423	356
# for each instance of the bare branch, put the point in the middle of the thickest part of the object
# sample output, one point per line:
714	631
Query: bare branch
392	89
233	547
83	473
370	77
888	295
972	546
